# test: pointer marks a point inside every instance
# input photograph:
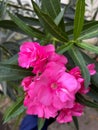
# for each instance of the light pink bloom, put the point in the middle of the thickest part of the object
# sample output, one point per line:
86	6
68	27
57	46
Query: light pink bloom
66	114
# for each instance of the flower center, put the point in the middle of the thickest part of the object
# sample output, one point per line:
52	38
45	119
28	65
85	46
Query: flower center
53	86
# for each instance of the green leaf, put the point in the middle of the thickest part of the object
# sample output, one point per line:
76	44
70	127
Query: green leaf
12	60
29	20
49	24
64	48
86	102
79	61
52	7
14	110
88	47
12	72
79	18
76	122
89	60
8	24
33	32
59	17
40	123
88	27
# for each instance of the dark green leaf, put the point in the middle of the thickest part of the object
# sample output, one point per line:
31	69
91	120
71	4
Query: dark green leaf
8	24
29	20
88	47
40	123
76	122
49	24
89	60
59	17
86	102
79	18
79	61
33	32
62	49
52	7
12	72
16	109
12	60
89	30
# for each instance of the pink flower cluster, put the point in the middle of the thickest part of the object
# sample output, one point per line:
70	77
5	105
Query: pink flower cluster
51	92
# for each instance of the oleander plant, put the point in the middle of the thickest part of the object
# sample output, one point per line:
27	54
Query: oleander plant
46	67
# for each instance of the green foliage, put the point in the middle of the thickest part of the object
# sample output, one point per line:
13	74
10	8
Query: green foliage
79	18
16	109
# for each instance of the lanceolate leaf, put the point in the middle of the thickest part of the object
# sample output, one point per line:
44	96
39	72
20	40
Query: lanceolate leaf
12	72
76	122
52	7
79	18
79	61
59	17
88	60
86	102
30	31
16	109
64	48
88	47
49	24
29	20
40	123
90	34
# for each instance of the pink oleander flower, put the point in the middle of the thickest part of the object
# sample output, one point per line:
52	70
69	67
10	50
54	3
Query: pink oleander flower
32	54
66	114
77	73
26	82
91	68
53	90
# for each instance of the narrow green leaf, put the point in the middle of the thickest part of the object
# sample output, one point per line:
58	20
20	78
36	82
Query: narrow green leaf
33	32
49	24
79	61
12	60
52	7
86	102
76	122
64	48
29	20
59	17
90	34
10	72
88	47
79	18
89	60
40	123
9	24
16	109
